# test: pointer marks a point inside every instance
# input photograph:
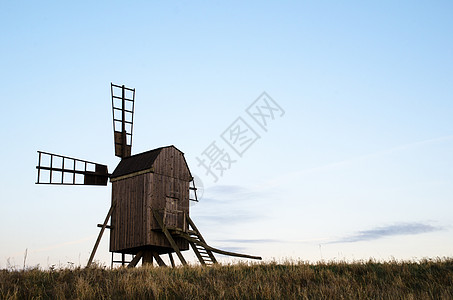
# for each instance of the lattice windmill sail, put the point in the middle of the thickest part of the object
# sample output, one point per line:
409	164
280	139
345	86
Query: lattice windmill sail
59	169
149	212
123	100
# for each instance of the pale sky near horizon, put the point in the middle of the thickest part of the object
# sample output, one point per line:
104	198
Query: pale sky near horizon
358	166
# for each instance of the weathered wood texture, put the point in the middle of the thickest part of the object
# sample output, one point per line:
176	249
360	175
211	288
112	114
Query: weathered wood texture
166	189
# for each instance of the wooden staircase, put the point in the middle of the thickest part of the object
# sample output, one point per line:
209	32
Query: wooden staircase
202	250
204	255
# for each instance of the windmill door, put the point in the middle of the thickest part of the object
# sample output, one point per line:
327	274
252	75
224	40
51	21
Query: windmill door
171	212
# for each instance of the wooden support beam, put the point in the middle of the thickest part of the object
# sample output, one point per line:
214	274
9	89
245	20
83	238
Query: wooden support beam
123	123
104	225
169	237
147	258
159	260
136	259
171	260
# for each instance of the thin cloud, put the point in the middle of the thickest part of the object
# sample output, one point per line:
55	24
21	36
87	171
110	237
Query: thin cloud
228	193
229	218
227	189
229	204
386	231
75	242
274	241
346	162
232	249
251	241
57	246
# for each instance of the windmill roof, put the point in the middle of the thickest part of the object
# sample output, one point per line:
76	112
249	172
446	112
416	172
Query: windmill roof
136	163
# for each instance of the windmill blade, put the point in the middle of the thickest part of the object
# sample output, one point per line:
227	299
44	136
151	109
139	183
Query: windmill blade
63	170
123	100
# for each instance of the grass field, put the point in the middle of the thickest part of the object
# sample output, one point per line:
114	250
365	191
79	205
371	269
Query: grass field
425	279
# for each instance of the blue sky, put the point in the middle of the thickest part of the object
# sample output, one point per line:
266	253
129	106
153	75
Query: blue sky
360	165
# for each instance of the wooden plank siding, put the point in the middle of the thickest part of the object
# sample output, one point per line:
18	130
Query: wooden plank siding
133	225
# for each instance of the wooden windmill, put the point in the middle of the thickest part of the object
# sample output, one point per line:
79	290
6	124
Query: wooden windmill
149	212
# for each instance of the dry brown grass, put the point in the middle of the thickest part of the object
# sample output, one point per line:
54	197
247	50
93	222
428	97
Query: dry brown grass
426	279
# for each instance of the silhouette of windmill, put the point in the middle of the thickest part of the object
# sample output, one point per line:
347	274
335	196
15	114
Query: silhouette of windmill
149	212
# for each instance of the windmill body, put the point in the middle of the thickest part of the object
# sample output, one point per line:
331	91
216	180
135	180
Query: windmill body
149	212
156	180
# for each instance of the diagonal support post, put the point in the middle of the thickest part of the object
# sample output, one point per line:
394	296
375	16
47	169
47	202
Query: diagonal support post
169	237
104	225
159	260
171	260
136	259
